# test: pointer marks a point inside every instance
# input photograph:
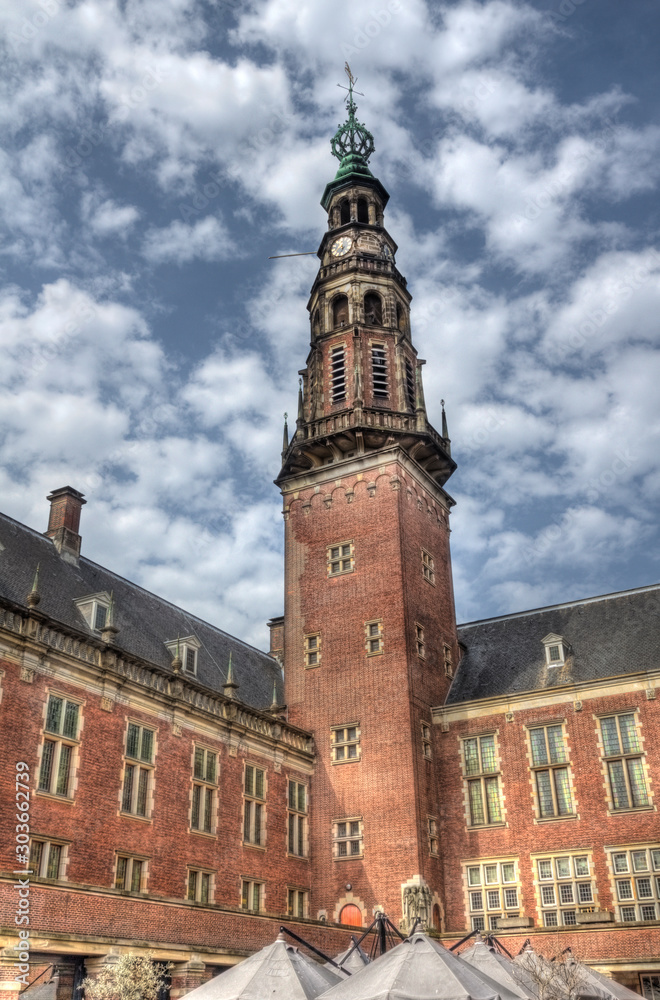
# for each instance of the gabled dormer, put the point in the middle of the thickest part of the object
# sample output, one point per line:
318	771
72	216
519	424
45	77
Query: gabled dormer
556	650
184	653
95	609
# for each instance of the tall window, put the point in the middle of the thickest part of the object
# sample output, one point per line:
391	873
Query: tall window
47	858
345	744
339	311
447	660
428	567
340	558
426	740
481	767
420	641
553	787
347	835
493	891
338	374
204	790
344	212
138	770
297	903
432	830
373	309
410	383
636	874
254	806
379	372
297	819
624	760
650	987
252	895
60	741
362	210
374	638
313	650
200	886
131	873
565	888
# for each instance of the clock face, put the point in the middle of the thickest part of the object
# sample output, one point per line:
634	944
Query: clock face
341	246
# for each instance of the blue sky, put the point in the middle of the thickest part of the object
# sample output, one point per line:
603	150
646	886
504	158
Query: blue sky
158	151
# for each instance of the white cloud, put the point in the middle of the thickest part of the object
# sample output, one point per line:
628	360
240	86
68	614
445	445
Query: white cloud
180	243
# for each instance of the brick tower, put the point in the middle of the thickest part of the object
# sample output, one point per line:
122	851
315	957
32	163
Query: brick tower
370	632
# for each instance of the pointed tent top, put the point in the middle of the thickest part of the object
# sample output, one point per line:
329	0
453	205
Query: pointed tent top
274	706
285	434
301	411
177	662
34	596
445	429
230	686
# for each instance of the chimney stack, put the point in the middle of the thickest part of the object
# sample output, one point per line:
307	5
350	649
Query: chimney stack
64	521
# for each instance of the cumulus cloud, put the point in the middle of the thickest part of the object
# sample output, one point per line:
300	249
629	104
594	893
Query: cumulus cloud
179	243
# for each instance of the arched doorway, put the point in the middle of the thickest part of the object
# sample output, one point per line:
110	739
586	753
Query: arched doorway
351	914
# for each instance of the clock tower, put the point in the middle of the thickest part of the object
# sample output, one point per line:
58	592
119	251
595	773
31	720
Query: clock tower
370	634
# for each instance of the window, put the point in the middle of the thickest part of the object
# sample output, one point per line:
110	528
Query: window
138	776
204	790
419	641
297	819
493	891
410	380
340	311
565	888
345	744
57	755
483	787
373	313
552	783
432	828
341	558
362	210
313	650
253	806
297	903
624	760
252	895
638	891
131	873
186	649
95	610
344	212
337	374
379	371
428	567
426	740
650	987
347	838
446	655
47	859
200	886
374	637
555	650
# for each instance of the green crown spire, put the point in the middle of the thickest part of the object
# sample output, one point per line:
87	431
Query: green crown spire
352	138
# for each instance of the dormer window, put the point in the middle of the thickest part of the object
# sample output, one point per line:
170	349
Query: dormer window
188	648
95	610
555	650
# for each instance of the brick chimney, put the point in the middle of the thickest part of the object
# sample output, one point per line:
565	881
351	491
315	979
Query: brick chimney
64	521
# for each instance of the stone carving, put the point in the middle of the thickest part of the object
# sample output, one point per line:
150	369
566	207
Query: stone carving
417	904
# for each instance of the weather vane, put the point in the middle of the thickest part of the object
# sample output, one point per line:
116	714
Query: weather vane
352	137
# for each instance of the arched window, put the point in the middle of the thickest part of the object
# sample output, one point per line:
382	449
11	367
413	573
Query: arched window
316	324
344	212
400	317
351	914
363	210
373	309
436	918
340	312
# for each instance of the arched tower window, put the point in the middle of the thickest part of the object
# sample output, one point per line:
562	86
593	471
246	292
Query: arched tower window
400	317
373	309
316	324
350	914
340	312
362	210
344	212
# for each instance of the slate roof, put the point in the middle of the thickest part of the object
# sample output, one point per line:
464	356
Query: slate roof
145	621
607	636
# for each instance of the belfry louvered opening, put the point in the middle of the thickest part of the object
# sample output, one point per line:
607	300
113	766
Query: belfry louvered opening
379	371
338	374
410	384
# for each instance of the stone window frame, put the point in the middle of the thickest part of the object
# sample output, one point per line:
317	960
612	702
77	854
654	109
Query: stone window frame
297	822
630	903
41	865
374	637
482	777
427	747
625	758
254	807
142	789
62	768
478	881
205	801
312	650
249	886
196	880
428	567
346	742
447	660
341	558
347	830
420	641
649	985
550	767
295	896
553	888
433	836
131	860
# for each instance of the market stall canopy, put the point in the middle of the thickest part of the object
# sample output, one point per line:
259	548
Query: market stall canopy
513	976
277	972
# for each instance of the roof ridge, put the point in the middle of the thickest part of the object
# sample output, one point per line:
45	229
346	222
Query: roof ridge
565	604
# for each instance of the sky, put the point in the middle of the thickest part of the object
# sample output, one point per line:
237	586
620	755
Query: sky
157	152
